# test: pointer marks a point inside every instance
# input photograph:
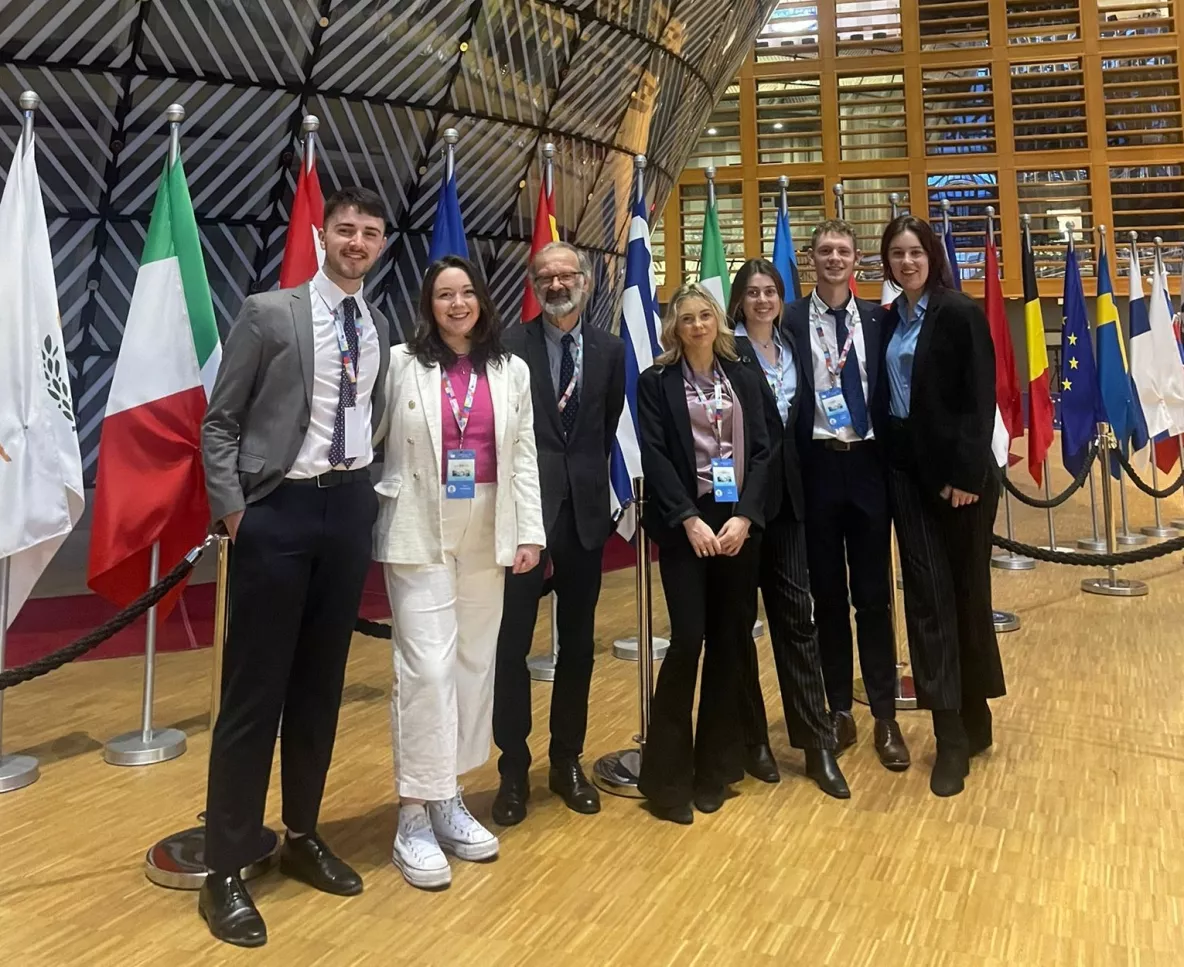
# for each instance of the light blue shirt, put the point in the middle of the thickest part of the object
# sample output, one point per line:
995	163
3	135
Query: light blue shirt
782	377
901	350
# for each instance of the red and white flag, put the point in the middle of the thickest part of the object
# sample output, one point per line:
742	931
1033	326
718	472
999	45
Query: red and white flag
302	250
545	232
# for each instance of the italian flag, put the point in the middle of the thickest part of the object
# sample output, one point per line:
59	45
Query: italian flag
151	485
713	261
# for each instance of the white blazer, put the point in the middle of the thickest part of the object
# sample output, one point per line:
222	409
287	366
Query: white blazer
409	530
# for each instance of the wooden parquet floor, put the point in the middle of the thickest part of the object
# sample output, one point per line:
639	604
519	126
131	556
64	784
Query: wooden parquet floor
1067	847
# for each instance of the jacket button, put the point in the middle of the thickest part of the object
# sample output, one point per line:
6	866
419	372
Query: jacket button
411	404
410	442
515	439
416	475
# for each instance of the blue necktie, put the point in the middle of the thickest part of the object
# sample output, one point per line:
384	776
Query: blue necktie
852	386
349	392
567	369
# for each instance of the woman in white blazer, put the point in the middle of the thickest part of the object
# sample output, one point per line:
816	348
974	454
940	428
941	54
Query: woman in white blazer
458	503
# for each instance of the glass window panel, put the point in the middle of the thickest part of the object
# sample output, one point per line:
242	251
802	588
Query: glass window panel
789	121
1058	202
867	207
959	111
969	195
872	117
692	203
790	33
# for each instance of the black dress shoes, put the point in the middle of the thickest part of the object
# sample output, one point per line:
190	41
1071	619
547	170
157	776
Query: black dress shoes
760	764
844	723
681	814
509	806
227	908
568	782
308	859
890	746
823	768
710	800
953	754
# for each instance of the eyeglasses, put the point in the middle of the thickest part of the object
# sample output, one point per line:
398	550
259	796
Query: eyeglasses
566	279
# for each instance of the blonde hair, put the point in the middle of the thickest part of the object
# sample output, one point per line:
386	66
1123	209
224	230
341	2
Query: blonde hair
725	342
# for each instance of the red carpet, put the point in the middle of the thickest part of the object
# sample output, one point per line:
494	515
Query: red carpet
47	624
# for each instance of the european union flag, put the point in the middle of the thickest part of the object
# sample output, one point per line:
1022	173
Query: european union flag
448	230
785	258
1081	410
1117	392
947	237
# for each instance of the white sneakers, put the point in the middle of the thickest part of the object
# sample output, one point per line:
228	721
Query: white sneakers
426	833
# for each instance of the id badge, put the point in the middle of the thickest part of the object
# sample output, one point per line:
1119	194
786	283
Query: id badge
461	476
835	407
357	433
723	480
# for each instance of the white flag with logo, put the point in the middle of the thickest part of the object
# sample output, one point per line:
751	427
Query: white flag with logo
40	465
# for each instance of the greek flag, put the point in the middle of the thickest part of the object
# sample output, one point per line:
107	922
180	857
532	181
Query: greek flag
639	329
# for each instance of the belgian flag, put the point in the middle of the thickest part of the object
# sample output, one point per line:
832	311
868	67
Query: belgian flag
1039	401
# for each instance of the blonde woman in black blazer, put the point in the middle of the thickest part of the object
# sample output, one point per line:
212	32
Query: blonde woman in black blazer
709	545
935	408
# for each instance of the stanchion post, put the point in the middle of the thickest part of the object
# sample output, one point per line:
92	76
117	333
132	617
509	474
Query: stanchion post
1180	440
149	745
16	771
1052	532
1094	543
1010	560
1111	584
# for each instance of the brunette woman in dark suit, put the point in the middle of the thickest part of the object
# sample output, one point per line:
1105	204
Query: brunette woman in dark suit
705	455
936	411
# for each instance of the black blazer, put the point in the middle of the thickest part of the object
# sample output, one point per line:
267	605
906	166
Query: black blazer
797	322
668	450
785	472
577	466
952	398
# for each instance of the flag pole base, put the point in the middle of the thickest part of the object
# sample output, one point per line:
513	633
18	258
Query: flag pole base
626	648
1154	530
541	668
178	862
130	749
906	691
1131	539
1012	562
617	773
1118	588
1179	524
17	771
1091	544
1005	621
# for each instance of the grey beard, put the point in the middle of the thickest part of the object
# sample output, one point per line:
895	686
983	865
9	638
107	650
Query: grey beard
557	310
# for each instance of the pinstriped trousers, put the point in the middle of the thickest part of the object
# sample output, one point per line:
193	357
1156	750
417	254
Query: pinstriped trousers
785	588
945	558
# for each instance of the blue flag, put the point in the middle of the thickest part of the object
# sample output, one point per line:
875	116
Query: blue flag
640	325
1115	387
448	230
1081	409
785	259
947	236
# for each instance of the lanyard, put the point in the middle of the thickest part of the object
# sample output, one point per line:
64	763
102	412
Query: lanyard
714	410
834	371
575	375
461	415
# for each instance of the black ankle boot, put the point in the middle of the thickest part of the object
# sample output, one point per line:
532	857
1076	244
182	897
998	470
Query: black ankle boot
976	717
953	754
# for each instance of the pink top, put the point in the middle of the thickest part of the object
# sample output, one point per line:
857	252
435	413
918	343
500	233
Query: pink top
731	440
479	434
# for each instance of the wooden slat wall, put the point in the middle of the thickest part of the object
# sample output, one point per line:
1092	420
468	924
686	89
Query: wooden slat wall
964	22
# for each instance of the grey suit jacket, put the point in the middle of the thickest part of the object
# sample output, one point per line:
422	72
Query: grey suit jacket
258	412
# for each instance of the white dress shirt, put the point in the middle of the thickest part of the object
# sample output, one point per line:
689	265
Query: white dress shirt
820	316
326	299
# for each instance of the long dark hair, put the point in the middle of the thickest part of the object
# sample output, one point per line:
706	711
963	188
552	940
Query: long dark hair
740	286
940	276
427	344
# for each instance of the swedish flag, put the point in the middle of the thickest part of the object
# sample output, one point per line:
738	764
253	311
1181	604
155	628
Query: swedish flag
1119	400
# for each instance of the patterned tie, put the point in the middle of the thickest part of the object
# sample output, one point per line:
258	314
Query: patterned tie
567	369
852	386
349	391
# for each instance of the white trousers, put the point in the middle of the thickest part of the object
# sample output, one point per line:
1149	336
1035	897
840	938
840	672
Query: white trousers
444	637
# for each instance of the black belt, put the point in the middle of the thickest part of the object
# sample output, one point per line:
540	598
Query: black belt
841	446
334	478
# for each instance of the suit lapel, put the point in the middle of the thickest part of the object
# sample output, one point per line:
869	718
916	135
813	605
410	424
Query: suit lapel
676	399
925	337
427	382
594	372
498	378
302	324
540	375
871	349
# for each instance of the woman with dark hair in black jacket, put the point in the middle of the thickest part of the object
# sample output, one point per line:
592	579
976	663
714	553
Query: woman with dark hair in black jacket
936	412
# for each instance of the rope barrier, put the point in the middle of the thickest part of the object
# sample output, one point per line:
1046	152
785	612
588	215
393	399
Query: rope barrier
1053	502
1145	487
1149	553
89	642
373	629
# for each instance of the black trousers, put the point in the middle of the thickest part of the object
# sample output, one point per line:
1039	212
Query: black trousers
784	587
297	572
576	582
712	607
945	555
848	535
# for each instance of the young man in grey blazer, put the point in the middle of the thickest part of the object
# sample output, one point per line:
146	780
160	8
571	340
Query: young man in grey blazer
286	447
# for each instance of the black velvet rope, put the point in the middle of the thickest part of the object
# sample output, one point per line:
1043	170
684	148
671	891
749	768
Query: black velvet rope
1149	553
1145	487
373	629
1077	483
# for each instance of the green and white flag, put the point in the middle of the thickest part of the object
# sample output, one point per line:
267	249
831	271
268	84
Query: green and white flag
713	263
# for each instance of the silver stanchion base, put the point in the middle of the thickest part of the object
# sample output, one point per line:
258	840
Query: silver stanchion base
130	749
1130	539
1152	531
1090	544
541	668
1120	588
1178	524
906	692
179	861
626	648
758	629
1012	562
1005	620
17	771
1059	549
618	772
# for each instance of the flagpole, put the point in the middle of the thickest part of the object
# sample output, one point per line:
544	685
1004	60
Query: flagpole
148	745
1125	535
1111	584
451	137
894	202
310	126
783	195
840	203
